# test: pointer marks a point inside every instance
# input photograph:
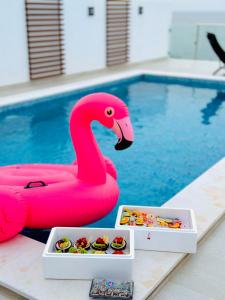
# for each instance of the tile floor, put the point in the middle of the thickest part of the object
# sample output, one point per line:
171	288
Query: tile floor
201	276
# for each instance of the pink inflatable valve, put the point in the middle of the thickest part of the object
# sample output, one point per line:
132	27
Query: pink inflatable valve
48	195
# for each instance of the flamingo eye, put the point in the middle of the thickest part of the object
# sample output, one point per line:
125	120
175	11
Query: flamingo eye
109	112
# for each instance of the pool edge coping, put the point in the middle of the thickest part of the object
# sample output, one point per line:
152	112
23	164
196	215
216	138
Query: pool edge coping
25	97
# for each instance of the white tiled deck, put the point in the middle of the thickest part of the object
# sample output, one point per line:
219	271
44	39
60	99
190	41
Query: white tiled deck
201	276
23	272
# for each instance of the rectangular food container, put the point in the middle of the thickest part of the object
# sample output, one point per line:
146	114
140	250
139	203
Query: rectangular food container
163	238
88	266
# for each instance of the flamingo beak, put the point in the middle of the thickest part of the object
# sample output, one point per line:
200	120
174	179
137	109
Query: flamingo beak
124	131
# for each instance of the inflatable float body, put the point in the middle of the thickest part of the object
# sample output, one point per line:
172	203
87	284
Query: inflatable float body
48	195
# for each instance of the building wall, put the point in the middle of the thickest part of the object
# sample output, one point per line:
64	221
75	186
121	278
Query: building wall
198	5
149	32
13	44
84	36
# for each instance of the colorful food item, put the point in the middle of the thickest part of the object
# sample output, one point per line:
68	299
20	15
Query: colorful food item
83	243
118	243
161	222
101	243
126	214
144	216
98	252
139	218
126	209
168	220
132	221
78	250
174	225
82	251
149	223
151	217
58	251
124	220
118	252
136	213
73	250
139	221
63	245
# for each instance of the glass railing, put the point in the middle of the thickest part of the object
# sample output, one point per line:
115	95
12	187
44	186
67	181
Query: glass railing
190	41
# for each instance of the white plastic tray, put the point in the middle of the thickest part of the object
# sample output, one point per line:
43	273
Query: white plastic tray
160	238
88	266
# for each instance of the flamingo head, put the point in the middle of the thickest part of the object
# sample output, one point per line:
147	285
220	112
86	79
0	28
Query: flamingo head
112	113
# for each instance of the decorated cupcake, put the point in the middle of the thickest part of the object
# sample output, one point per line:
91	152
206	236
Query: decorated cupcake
101	243
63	245
82	243
118	243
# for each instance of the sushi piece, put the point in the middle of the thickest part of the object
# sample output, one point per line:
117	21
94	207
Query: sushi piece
118	243
63	245
73	250
101	243
83	243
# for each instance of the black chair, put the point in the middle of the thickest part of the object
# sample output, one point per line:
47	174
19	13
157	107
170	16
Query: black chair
218	50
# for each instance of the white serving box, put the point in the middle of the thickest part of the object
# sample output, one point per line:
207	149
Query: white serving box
162	238
88	266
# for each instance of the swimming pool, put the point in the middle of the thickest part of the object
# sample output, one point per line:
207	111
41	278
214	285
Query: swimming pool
179	133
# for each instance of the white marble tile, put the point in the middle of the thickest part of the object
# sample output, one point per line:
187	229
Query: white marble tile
203	275
175	291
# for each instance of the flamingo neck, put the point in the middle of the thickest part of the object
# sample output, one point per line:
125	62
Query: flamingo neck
91	166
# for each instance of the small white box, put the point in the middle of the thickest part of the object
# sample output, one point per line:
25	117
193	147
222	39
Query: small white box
88	266
161	238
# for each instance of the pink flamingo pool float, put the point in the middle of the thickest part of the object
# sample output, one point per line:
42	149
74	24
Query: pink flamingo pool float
48	195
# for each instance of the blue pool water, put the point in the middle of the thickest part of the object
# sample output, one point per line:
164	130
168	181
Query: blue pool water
179	133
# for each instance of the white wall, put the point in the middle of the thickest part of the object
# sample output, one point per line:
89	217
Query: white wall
13	43
84	35
198	5
149	32
198	11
